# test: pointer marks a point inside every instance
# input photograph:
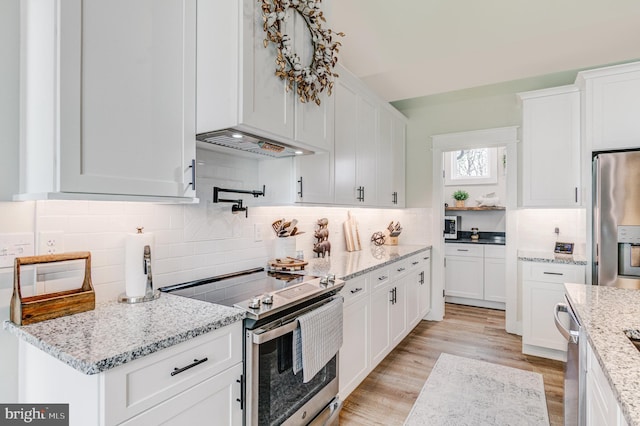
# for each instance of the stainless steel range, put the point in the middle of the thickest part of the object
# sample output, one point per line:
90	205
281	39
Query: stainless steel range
273	301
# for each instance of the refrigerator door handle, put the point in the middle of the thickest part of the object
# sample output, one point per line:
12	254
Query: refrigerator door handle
570	335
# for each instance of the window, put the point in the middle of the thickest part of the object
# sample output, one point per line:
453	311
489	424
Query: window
476	166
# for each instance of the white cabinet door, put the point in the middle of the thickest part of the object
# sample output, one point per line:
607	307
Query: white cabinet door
314	178
464	277
355	142
539	328
494	279
266	103
380	323
354	353
413	294
398	326
109	102
602	408
217	396
346	131
424	290
391	145
611	103
551	147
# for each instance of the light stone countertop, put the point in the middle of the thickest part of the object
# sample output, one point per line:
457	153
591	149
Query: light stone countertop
115	333
348	265
551	257
605	312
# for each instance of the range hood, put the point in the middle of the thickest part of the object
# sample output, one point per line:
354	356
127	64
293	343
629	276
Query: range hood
249	143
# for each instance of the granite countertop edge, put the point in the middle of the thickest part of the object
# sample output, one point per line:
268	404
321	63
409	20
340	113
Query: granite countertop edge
384	263
93	365
618	358
550	257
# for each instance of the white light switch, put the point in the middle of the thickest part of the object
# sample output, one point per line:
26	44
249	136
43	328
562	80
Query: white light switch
15	245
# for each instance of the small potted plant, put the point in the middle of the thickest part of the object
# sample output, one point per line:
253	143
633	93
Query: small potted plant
460	196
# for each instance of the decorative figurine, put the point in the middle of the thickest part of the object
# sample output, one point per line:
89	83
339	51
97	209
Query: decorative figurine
322	244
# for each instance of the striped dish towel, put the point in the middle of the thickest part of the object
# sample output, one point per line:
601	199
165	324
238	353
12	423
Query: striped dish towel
317	339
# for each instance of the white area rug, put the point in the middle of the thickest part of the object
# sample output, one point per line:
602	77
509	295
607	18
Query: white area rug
462	391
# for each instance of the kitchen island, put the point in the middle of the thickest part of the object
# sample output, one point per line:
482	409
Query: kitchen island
605	313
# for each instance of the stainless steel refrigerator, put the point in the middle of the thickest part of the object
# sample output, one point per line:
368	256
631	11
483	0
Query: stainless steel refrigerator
616	219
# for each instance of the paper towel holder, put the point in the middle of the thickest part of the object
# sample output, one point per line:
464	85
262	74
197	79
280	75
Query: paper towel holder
150	293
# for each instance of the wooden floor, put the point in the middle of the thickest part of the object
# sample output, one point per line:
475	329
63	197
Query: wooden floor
386	396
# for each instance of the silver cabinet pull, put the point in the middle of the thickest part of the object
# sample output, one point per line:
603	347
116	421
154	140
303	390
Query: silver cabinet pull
400	269
356	290
193	364
382	277
553	273
462	249
193	174
414	263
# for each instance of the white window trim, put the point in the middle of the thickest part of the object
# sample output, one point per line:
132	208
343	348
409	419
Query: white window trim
450	180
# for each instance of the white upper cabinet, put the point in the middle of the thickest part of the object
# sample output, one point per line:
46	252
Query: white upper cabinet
355	142
108	99
391	157
611	105
237	85
551	147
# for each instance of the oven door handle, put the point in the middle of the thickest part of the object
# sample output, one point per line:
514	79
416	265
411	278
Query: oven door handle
261	338
288	324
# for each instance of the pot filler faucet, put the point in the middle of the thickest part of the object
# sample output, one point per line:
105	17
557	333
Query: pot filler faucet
237	206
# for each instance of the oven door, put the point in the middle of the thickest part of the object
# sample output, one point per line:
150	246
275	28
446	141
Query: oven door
275	394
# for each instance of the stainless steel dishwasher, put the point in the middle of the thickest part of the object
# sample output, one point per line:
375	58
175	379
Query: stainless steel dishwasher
575	367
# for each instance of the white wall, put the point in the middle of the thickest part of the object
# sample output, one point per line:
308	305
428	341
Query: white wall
536	229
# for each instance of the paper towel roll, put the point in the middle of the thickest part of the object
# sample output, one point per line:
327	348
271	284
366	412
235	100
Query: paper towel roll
135	279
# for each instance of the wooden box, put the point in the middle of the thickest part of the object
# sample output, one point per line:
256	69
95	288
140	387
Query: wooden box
29	310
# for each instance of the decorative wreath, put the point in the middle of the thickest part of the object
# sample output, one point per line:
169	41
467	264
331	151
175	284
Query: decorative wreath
309	80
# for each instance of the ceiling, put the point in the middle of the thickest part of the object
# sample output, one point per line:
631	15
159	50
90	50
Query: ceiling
412	48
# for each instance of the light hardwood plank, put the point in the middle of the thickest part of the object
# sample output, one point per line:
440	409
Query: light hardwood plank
386	396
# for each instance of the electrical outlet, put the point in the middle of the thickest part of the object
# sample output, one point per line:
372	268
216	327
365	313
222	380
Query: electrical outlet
51	242
257	232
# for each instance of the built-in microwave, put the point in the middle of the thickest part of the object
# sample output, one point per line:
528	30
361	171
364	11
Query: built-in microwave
451	227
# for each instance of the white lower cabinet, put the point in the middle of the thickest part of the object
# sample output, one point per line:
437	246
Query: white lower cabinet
144	391
380	309
475	275
602	408
195	406
354	354
542	288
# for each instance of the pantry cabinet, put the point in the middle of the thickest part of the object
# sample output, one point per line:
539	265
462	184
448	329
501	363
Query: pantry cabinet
108	104
551	147
542	288
610	103
237	85
147	390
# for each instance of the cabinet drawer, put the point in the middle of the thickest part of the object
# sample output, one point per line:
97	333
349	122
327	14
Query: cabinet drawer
355	289
398	268
553	273
143	383
380	277
463	250
494	252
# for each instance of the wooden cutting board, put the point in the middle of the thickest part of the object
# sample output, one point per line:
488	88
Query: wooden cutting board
287	264
351	234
